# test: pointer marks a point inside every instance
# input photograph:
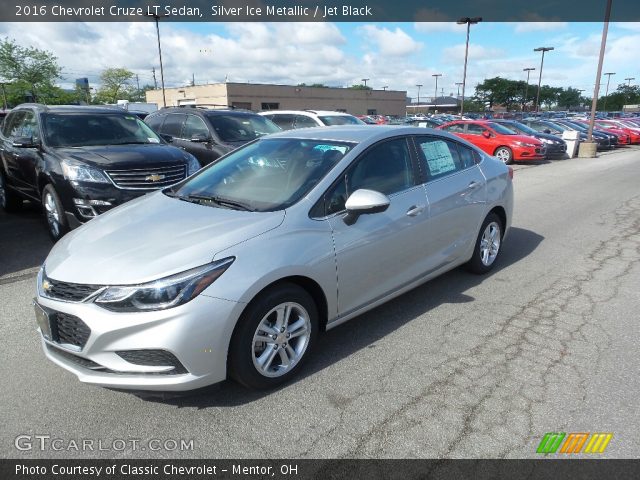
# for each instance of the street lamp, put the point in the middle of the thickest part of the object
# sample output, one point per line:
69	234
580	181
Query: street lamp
419	85
526	89
580	90
543	50
608	74
435	97
468	21
458	84
365	80
156	17
628	79
385	88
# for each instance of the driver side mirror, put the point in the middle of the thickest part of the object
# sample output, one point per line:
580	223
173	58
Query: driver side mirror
546	130
362	202
167	138
24	142
486	134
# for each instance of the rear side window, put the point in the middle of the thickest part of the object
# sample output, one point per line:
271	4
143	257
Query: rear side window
284	121
303	121
11	123
173	124
455	128
194	127
440	157
475	129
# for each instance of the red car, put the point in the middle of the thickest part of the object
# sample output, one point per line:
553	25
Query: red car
624	137
633	132
497	140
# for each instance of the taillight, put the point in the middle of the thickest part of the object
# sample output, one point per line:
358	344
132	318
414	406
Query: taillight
510	173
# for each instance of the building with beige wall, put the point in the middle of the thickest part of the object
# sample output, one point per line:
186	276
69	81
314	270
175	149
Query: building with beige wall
259	97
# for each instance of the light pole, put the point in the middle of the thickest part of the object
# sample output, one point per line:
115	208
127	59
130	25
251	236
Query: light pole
385	88
435	97
526	88
580	90
543	50
608	74
156	17
419	85
458	84
628	79
468	21
365	80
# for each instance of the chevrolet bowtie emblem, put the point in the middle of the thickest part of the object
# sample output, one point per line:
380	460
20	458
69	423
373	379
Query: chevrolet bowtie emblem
154	178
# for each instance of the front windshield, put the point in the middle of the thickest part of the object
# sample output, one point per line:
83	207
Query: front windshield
241	128
93	129
267	175
556	126
501	129
331	120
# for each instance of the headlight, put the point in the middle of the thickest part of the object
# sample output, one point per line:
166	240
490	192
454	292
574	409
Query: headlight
164	293
523	144
193	166
82	173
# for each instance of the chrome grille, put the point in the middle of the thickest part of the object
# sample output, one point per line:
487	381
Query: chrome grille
147	178
68	292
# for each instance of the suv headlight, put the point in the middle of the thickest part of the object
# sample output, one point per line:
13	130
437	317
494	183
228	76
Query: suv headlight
193	165
82	173
165	293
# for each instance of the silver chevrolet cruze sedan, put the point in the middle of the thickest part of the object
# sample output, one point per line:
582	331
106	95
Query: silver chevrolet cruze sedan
236	270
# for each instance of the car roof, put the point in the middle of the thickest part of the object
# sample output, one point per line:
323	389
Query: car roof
358	133
308	112
70	108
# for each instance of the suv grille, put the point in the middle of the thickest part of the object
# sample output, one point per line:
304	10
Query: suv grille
68	292
148	178
69	329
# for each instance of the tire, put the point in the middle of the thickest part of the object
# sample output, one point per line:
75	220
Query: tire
504	154
9	200
54	213
485	256
259	347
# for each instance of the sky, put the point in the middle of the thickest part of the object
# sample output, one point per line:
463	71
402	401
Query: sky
396	55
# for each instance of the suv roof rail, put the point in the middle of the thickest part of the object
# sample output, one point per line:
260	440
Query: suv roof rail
203	105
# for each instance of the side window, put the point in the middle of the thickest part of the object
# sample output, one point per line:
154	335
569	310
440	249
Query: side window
28	126
284	121
475	129
385	168
195	127
11	123
468	157
155	122
441	157
302	121
173	124
455	128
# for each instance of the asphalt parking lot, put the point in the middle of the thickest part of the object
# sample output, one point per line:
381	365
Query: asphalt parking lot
463	366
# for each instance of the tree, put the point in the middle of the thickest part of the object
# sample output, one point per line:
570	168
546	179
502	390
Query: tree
624	95
28	71
360	87
501	91
569	98
115	85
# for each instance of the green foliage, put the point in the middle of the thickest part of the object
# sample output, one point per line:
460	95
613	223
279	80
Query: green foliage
360	87
26	71
624	95
116	86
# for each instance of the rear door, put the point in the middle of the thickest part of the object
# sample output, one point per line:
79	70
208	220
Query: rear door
197	140
457	196
173	125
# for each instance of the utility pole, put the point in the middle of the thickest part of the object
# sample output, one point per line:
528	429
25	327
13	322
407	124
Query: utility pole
526	89
193	79
608	74
435	93
543	50
155	82
468	21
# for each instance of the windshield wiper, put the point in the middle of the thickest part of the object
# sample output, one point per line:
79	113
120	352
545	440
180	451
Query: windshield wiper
225	202
131	143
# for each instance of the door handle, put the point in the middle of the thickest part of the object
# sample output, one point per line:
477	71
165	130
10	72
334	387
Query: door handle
415	210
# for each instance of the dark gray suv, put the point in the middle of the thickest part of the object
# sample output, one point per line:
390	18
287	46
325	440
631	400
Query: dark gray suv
209	133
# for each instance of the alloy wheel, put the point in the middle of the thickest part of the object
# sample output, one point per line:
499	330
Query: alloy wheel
503	155
281	339
490	244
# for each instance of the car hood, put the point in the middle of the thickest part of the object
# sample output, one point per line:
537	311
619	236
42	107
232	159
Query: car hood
150	238
523	139
124	156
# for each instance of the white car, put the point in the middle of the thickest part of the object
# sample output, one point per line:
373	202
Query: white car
293	119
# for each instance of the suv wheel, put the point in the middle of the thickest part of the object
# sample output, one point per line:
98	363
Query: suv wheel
54	212
9	200
273	337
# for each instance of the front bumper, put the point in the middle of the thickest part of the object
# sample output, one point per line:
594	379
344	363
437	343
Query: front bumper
529	153
197	334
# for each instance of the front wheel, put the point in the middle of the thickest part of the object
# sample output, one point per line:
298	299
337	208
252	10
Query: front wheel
487	247
273	337
505	155
54	212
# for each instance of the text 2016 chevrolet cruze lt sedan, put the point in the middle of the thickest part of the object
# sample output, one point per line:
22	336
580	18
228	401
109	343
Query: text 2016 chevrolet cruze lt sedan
235	270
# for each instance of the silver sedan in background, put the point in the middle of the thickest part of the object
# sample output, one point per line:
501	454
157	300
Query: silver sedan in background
237	269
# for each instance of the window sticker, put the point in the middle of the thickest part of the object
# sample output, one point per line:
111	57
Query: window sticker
323	148
153	140
438	157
